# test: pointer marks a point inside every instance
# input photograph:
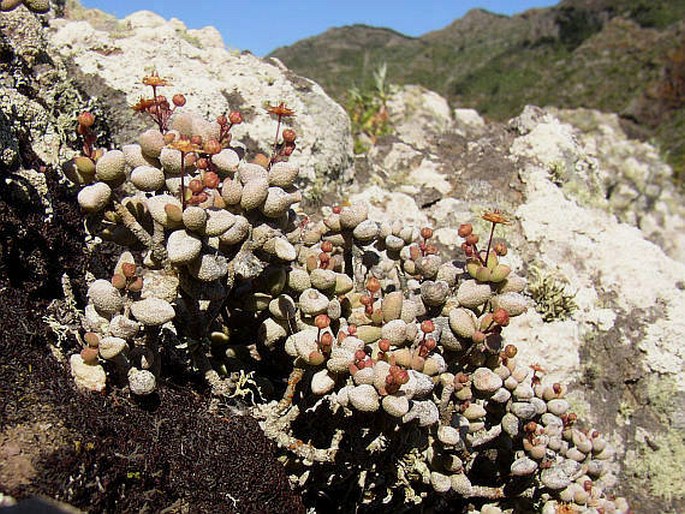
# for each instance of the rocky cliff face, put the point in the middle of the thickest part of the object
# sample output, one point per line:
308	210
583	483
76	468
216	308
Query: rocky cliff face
595	215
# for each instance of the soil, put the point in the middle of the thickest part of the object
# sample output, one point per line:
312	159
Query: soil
110	452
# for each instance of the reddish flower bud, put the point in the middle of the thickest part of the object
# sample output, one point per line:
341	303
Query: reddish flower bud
326	340
89	355
336	209
136	286
179	100
472	239
324	259
212	146
384	345
202	163
427	326
368	310
327	246
288	150
86	119
426	232
402	377
169	138
500	249
211	180
365	300
222	120
478	337
352	329
360	355
322	321
465	230
501	317
289	136
510	351
118	281
556	387
430	344
235	118
196	185
373	285
91	339
128	269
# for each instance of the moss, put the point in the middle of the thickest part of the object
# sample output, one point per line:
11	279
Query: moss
659	462
553	300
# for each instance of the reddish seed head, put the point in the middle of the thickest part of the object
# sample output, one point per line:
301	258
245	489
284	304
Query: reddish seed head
211	180
202	163
289	135
327	246
427	326
86	119
426	232
336	209
500	249
179	100
235	118
501	317
465	230
365	300
373	285
195	185
222	120
322	321
384	345
530	427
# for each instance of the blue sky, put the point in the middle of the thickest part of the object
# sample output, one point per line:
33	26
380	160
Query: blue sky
263	25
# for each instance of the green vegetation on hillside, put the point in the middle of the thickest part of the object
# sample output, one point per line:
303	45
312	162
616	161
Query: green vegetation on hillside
611	55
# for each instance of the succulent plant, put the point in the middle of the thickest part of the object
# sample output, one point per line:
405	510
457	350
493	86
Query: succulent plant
399	379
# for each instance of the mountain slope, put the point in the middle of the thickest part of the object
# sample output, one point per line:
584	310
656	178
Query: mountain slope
611	55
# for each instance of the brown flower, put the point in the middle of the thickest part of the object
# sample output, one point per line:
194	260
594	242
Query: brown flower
280	110
155	80
143	104
184	146
495	217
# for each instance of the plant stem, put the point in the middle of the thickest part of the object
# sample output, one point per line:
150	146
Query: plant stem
278	128
487	253
183	188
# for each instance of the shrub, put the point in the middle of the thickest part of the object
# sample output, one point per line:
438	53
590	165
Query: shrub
400	386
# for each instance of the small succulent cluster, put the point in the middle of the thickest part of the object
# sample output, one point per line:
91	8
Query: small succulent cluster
553	300
399	376
37	6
